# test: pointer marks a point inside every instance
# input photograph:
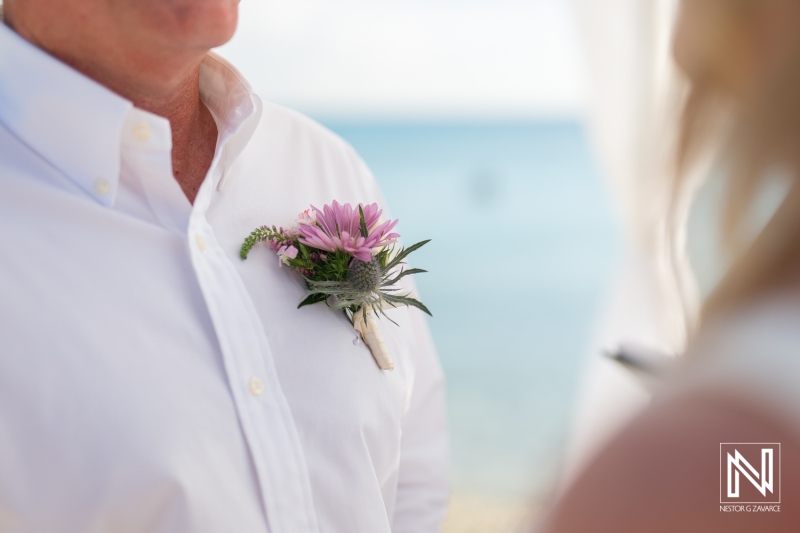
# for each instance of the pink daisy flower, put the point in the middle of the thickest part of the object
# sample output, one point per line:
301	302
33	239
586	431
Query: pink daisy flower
338	227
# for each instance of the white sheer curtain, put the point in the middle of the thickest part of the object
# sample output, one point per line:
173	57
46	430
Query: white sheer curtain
632	114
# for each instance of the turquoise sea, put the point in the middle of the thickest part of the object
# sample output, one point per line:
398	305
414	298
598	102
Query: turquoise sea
524	239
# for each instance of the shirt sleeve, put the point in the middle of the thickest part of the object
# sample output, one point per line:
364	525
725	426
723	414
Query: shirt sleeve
423	483
423	487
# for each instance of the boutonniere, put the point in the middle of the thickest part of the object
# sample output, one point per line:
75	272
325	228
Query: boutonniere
349	260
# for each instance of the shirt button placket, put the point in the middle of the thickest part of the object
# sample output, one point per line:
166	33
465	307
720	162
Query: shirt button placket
200	242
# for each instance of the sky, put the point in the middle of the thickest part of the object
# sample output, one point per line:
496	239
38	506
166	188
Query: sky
413	59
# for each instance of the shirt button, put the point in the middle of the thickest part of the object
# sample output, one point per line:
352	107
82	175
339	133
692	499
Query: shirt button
102	187
141	132
200	242
256	386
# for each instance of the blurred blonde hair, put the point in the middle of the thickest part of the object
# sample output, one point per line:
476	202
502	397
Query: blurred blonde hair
762	131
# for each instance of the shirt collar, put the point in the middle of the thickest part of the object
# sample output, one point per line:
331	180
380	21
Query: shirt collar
78	125
237	109
70	120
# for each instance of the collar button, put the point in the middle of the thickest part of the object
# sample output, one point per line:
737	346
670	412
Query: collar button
141	132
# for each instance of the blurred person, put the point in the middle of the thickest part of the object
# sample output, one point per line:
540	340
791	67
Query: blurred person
151	380
634	90
669	469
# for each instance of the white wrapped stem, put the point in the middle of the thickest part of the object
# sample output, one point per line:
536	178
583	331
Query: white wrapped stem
371	334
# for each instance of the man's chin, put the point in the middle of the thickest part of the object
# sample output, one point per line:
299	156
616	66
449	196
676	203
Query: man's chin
215	39
219	24
204	24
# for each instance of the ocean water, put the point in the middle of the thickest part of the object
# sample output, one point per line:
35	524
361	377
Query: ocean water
524	239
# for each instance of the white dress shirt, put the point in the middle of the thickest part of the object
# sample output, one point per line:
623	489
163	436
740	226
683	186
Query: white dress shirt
151	380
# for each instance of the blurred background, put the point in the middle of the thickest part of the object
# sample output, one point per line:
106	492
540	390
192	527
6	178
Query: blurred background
472	116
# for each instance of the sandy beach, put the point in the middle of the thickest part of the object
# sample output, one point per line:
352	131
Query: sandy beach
473	513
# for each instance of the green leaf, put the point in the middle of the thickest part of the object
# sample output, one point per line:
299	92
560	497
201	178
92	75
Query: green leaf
313	298
303	250
387	317
403	253
364	231
407	301
402	274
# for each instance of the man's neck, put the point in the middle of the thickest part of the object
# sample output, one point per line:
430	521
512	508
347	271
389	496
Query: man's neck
194	131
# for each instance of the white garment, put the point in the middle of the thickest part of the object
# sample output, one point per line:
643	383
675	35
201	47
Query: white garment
752	354
626	44
151	380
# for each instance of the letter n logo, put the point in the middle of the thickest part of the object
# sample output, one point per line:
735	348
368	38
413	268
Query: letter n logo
750	472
